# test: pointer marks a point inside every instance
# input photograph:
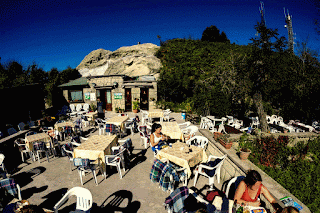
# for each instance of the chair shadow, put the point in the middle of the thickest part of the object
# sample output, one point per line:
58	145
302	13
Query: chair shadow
134	159
113	202
52	198
24	178
27	193
137	158
72	207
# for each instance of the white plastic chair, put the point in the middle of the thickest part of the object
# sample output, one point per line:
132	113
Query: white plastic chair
85	109
73	112
145	137
78	109
255	122
84	199
204	123
40	148
145	116
166	115
12	131
129	125
238	124
23	149
21	126
228	186
217	168
90	168
116	160
184	125
2	164
200	141
69	155
190	130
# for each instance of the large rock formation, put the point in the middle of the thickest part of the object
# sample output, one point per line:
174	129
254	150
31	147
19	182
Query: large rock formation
133	61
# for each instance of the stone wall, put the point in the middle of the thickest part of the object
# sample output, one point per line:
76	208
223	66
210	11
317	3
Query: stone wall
108	82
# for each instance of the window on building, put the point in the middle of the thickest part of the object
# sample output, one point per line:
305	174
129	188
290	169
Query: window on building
75	95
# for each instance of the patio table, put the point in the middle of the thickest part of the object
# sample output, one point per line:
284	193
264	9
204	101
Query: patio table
118	121
96	147
178	154
64	124
214	120
36	138
156	113
172	130
91	115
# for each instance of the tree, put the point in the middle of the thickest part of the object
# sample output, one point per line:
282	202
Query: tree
212	34
264	48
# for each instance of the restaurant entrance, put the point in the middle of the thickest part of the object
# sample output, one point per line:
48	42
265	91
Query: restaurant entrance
144	98
108	99
128	105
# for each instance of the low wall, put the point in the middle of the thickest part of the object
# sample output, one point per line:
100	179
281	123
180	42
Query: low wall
12	155
233	166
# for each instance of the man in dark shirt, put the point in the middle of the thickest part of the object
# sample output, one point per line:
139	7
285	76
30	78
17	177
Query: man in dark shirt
100	109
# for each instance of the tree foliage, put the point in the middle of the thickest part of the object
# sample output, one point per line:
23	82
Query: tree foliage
191	72
212	34
12	74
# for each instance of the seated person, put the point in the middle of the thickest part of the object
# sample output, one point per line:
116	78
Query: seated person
157	139
249	190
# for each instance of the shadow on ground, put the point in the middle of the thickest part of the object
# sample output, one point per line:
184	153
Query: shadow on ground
120	201
24	178
52	198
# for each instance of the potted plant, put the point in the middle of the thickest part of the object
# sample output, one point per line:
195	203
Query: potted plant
93	107
135	105
216	135
225	141
244	147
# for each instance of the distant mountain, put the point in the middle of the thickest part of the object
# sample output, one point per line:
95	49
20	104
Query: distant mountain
132	61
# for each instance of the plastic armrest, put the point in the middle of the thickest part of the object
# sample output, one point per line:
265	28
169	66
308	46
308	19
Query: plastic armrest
201	166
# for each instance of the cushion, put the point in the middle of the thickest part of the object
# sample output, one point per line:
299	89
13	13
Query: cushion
39	146
110	128
212	164
83	162
10	186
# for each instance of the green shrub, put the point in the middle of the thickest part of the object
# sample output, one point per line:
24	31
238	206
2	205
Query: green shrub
290	167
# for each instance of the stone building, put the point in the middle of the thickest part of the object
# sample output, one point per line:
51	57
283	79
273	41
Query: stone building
115	91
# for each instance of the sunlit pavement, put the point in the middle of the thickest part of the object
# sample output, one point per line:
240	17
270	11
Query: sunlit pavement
45	183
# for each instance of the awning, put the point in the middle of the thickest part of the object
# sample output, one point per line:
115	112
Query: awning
104	87
138	85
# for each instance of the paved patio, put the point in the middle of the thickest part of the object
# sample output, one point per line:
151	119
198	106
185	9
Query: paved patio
45	183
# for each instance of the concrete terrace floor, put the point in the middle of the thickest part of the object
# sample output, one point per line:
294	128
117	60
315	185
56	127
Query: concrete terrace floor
45	183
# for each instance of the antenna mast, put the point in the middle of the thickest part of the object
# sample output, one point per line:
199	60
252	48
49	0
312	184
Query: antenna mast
289	28
261	9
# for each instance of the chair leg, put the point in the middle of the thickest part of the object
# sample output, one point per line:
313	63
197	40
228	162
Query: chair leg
145	143
47	155
95	176
80	174
195	178
22	156
119	170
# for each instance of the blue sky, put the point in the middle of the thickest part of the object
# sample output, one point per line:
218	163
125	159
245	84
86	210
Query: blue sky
56	33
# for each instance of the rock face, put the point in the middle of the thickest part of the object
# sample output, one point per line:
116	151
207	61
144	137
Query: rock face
132	61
